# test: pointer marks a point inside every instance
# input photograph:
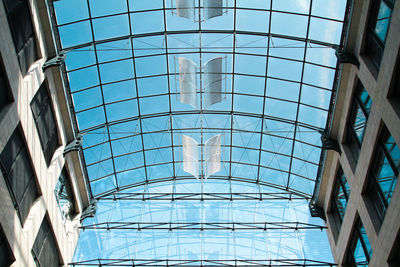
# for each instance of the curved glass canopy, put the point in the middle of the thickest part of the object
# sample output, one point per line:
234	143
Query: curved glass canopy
197	98
184	232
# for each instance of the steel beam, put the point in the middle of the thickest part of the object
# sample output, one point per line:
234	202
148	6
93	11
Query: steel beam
203	226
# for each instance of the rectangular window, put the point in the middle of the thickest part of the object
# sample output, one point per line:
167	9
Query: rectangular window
340	195
379	22
394	256
19	175
384	173
360	248
45	123
361	107
64	195
44	249
22	31
6	256
5	91
395	91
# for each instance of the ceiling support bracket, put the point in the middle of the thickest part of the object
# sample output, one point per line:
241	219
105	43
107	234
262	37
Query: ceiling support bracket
316	210
74	145
328	143
55	61
346	57
90	210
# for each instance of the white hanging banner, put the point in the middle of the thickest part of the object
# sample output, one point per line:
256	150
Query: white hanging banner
213	81
190	155
185	9
213	155
188	81
212	8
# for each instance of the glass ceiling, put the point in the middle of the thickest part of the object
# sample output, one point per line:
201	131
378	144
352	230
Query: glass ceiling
199	101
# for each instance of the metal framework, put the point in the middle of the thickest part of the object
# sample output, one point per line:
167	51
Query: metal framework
204	263
279	72
229	179
161	43
200	226
200	196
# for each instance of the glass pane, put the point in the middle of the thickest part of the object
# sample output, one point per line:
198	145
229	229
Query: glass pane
75	34
360	121
100	7
383	21
258	70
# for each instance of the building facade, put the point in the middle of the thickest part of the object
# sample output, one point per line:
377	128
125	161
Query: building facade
42	191
359	189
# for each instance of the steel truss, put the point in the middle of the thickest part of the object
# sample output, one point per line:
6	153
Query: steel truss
168	50
203	263
201	226
201	196
284	189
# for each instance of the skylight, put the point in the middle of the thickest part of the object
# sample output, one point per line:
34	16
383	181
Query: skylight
205	98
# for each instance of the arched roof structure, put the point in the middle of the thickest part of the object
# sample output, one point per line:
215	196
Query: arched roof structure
225	98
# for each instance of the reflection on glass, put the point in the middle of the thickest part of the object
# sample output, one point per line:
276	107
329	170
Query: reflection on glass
203	230
64	195
361	248
358	119
341	194
383	21
381	14
385	173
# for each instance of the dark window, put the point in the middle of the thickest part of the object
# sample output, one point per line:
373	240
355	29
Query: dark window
340	195
360	248
44	249
358	119
64	195
44	118
5	92
379	22
18	172
6	257
23	34
384	173
394	257
396	85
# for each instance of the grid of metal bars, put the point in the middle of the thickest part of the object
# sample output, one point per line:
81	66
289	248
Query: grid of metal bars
307	44
206	226
204	263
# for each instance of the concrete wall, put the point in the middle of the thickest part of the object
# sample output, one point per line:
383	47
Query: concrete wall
22	237
385	111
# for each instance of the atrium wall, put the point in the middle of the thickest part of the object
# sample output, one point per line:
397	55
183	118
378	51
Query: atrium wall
19	231
382	85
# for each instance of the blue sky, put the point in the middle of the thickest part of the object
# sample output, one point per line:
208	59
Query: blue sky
278	69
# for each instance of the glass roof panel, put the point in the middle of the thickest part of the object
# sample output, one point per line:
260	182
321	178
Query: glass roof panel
142	226
261	76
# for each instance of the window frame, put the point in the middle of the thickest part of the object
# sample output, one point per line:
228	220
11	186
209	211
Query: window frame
374	46
394	89
339	184
355	237
6	174
394	255
357	105
10	254
48	155
66	184
375	191
20	9
7	88
49	237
